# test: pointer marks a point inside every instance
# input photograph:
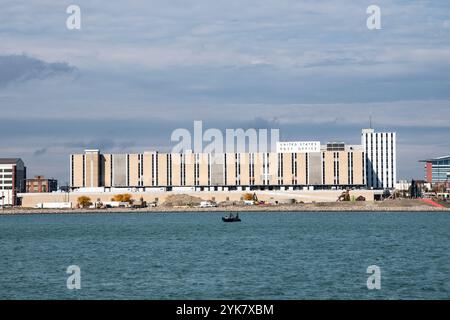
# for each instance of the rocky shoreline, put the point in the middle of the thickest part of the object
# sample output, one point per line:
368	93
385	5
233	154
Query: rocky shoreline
393	206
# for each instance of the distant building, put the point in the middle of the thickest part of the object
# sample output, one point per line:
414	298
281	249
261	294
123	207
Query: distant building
437	170
64	188
12	180
403	185
41	184
381	159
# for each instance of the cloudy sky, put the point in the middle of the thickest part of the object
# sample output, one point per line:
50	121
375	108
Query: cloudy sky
137	70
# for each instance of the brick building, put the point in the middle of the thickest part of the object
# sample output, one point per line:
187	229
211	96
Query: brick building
41	184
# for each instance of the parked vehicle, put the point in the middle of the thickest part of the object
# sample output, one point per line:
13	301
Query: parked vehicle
207	204
54	205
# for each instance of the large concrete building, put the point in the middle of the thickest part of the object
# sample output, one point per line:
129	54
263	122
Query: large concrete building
12	180
294	165
304	171
380	149
333	166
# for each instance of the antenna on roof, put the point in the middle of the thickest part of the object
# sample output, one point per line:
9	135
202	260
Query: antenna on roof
370	121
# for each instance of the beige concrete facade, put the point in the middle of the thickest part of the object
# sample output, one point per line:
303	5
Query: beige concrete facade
325	169
301	169
358	162
343	169
106	161
93	173
77	170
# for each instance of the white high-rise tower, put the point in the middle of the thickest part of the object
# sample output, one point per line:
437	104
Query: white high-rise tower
380	158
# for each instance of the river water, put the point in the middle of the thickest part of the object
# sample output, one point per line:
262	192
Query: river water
197	256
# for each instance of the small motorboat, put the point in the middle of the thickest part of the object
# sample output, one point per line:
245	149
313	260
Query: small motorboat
231	218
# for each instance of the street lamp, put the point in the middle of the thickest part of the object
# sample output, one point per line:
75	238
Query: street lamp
67	191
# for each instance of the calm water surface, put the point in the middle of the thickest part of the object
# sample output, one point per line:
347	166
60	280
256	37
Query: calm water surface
196	256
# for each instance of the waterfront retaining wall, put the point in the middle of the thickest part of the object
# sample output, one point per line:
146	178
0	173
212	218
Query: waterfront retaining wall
30	200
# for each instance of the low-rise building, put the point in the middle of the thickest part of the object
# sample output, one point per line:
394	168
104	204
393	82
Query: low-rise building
12	180
437	170
41	184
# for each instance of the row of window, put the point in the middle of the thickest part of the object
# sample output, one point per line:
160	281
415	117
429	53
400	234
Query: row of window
440	162
265	176
377	170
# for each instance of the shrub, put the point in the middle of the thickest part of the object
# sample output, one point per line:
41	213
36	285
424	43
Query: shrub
84	201
122	198
248	196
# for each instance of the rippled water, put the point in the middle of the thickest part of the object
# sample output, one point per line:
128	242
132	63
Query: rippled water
196	256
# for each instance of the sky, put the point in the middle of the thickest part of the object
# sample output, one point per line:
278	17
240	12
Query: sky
137	70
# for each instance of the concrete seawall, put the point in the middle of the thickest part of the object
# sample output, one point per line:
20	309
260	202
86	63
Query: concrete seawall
30	200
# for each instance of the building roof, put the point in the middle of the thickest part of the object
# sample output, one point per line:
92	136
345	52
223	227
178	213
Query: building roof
40	178
436	159
10	160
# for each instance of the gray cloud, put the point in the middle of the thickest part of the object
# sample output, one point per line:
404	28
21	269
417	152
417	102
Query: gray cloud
310	68
102	143
21	68
40	152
